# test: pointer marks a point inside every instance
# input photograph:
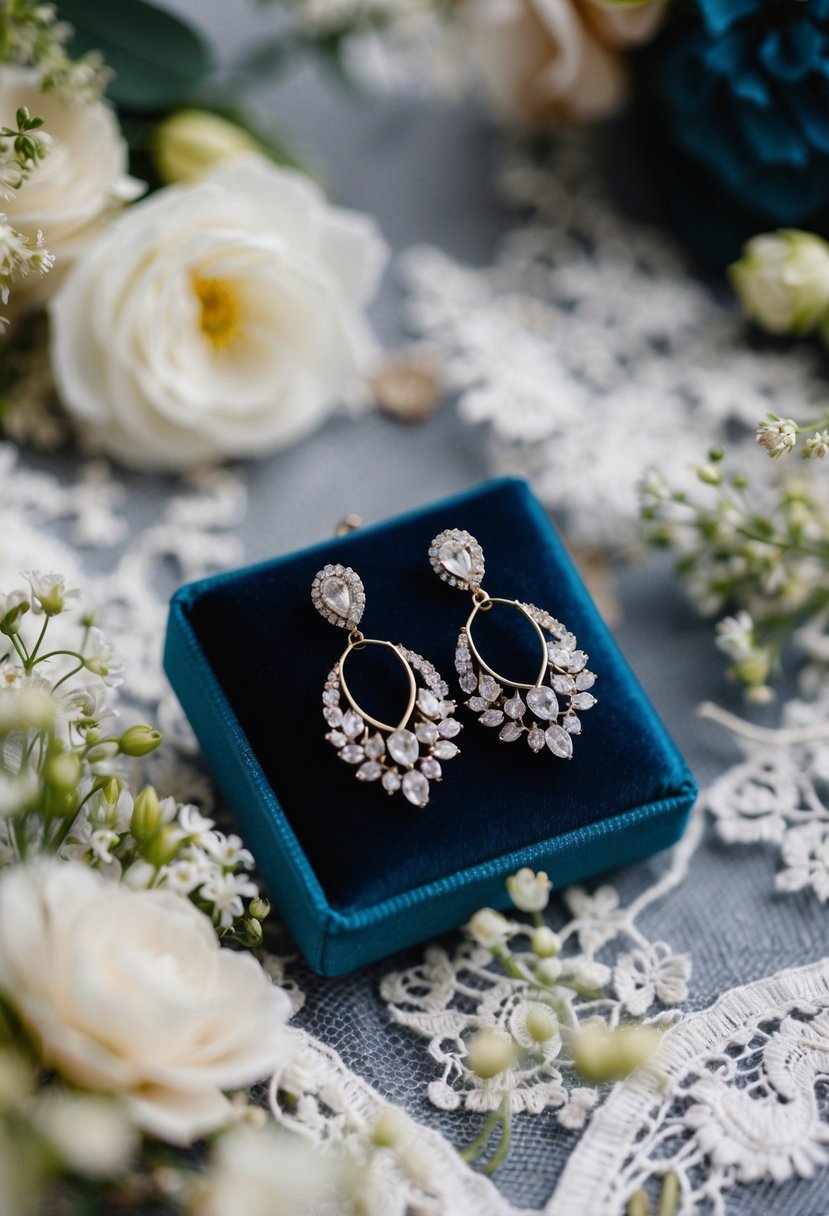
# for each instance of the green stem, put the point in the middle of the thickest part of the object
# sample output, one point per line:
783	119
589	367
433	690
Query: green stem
669	1199
508	963
37	645
20	648
474	1149
503	1144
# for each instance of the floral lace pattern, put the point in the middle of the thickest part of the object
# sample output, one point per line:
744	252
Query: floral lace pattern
588	335
779	794
447	998
736	1097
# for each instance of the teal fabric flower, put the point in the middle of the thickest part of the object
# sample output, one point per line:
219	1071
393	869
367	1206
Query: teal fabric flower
746	86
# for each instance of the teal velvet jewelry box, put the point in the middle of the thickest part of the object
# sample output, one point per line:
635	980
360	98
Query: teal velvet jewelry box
357	874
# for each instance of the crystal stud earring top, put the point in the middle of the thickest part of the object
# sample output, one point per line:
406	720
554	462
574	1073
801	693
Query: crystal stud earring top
404	756
546	711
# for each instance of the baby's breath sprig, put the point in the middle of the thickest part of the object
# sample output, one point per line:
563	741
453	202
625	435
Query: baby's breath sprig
591	1049
64	766
761	552
30	33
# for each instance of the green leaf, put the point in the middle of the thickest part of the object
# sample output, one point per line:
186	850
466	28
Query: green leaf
158	60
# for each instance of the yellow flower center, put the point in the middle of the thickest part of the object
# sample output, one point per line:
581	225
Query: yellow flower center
219	310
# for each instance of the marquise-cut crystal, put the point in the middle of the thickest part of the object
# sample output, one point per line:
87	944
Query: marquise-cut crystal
572	724
514	707
468	682
403	747
375	747
455	558
353	754
445	750
391	780
542	702
331	697
352	724
488	688
559	742
585	680
336	595
477	704
338	738
427	732
577	660
369	771
536	739
510	732
416	788
431	769
333	715
449	727
563	684
428	703
492	717
583	700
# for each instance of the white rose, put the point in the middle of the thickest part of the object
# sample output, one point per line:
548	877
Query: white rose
128	992
72	193
555	60
782	280
223	318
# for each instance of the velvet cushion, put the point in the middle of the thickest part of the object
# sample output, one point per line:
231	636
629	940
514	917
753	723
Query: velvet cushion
248	655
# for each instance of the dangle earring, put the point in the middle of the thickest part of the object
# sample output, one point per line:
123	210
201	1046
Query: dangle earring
406	756
547	711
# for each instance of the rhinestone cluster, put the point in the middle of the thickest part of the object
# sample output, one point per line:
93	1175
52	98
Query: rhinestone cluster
338	595
547	715
404	759
458	559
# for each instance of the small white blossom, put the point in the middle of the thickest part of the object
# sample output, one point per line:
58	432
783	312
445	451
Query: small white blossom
101	660
530	892
735	635
92	1135
816	446
777	436
228	851
101	842
194	824
225	892
50	592
490	929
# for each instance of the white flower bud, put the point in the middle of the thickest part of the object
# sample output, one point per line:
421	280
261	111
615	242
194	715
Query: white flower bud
191	141
489	928
545	943
541	1024
530	892
489	1052
389	1129
50	592
548	970
816	446
782	280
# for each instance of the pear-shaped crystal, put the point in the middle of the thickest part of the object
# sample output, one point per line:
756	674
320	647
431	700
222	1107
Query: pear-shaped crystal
416	788
336	595
559	742
403	747
455	558
542	702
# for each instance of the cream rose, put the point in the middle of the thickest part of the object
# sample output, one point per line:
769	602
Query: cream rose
544	61
71	193
223	318
129	993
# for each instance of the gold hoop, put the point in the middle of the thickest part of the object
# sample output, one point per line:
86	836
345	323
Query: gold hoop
484	605
356	642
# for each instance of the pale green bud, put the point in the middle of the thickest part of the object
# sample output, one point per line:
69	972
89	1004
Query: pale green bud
816	446
140	740
545	943
63	772
259	909
190	142
549	970
253	932
165	845
35	709
782	281
709	474
389	1129
10	622
490	1052
541	1024
752	671
601	1054
146	815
